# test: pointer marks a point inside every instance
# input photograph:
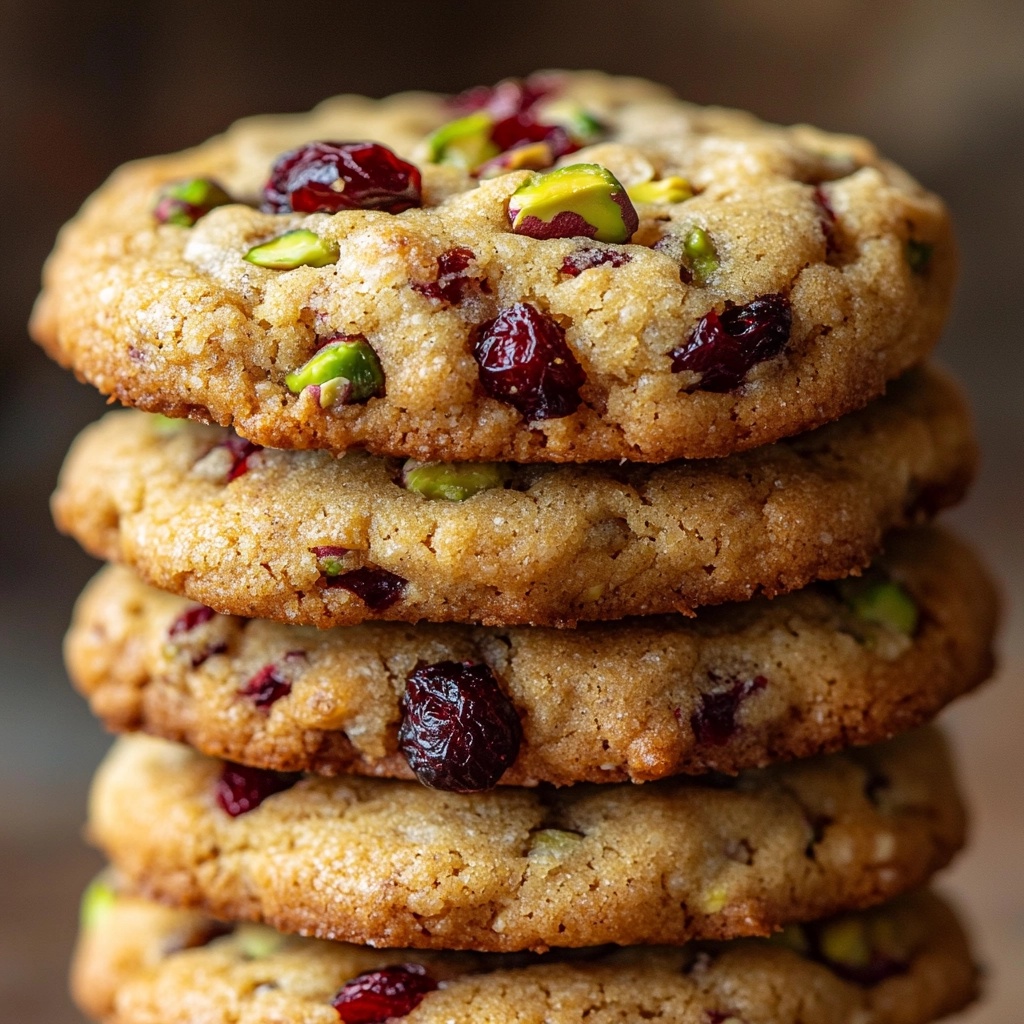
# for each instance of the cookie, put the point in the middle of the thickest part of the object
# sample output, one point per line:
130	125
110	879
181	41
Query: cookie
391	863
737	687
307	538
905	963
761	280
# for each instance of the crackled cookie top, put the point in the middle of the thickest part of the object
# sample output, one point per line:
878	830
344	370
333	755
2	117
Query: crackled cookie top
139	963
738	687
576	268
308	538
391	863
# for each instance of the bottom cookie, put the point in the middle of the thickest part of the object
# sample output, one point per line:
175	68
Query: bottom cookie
139	963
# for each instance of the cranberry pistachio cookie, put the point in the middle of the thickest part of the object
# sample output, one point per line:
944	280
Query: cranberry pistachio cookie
572	268
466	707
312	539
907	962
392	863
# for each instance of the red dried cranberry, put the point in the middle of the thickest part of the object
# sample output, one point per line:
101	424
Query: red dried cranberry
506	99
525	362
827	216
724	346
241	451
378	996
326	177
451	283
268	686
459	732
583	259
241	788
718	1016
190	619
714	721
378	588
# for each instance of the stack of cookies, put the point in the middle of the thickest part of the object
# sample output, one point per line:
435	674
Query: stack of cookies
537	620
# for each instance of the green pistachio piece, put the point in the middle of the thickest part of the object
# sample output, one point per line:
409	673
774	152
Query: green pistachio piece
581	200
97	901
701	256
845	941
463	143
452	481
919	255
184	202
554	843
882	602
534	156
165	425
257	940
352	362
299	248
582	126
665	190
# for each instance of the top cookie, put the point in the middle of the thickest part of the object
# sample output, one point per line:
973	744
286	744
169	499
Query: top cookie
725	283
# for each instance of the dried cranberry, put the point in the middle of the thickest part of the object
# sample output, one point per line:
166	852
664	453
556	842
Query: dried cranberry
583	259
378	996
719	1017
724	346
525	362
451	283
267	687
241	451
522	129
506	99
378	588
714	721
330	176
241	788
459	732
190	619
827	217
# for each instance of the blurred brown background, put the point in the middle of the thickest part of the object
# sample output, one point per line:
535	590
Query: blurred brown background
939	84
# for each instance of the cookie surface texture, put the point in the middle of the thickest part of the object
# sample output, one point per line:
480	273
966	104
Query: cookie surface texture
176	319
143	964
517	869
306	538
737	687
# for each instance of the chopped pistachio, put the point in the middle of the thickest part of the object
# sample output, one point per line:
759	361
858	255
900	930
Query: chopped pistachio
845	942
97	901
579	200
919	255
351	361
299	248
700	254
714	899
464	143
164	425
882	602
257	940
451	481
533	156
184	202
665	190
553	843
582	126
